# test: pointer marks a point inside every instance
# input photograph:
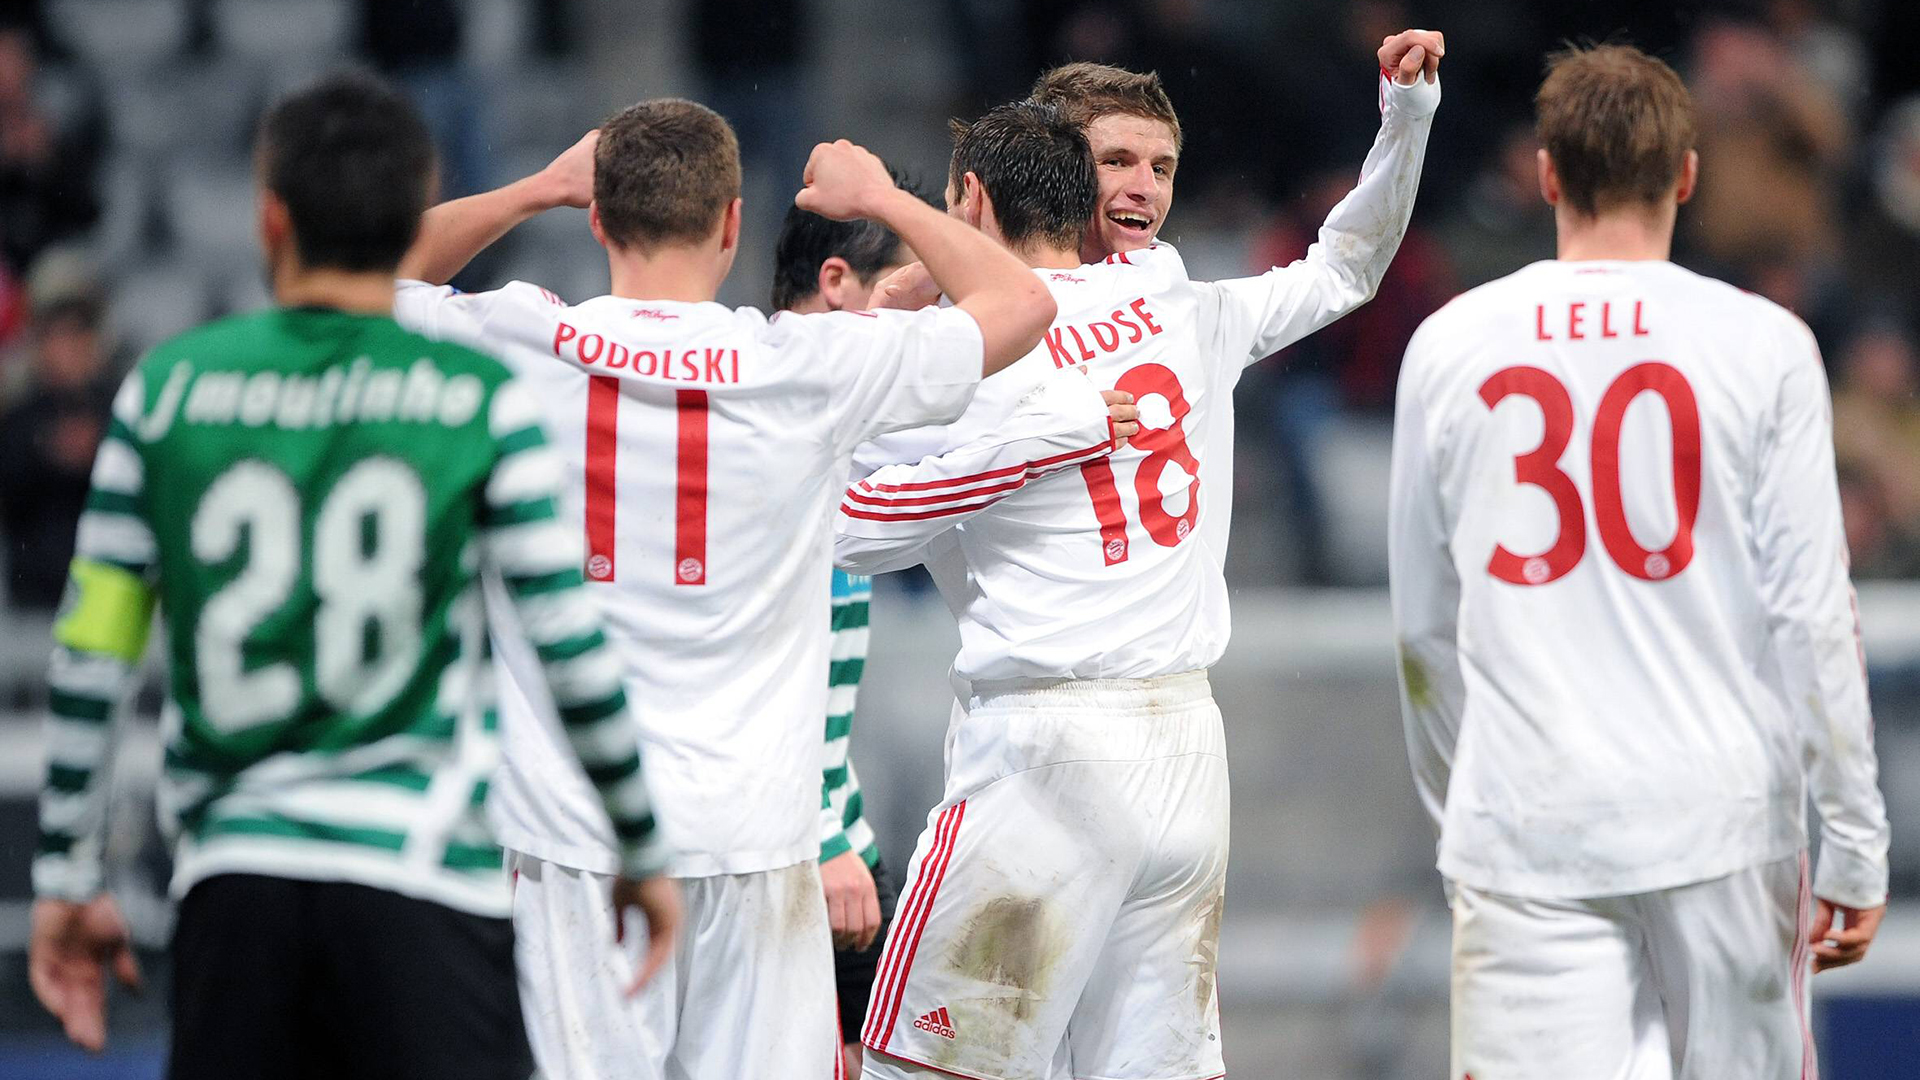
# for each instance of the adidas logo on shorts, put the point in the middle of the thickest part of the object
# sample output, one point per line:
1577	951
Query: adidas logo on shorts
937	1022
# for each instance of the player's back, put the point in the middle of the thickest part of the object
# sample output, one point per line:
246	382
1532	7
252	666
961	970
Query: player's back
1107	571
312	482
1605	440
706	448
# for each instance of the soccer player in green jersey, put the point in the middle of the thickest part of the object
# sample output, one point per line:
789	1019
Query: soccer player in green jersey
310	496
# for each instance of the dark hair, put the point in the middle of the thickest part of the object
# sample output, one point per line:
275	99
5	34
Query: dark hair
808	240
1085	92
352	160
664	172
1036	167
1617	124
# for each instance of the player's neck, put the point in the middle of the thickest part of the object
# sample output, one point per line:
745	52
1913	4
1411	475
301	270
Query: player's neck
358	291
1042	256
1626	235
689	274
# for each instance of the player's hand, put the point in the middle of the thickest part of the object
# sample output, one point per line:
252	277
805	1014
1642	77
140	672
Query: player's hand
853	904
568	179
1123	415
658	899
843	181
909	288
1409	53
68	955
1840	941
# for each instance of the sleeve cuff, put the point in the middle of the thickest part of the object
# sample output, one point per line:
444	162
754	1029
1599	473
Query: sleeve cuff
1416	102
60	877
835	846
1850	879
646	859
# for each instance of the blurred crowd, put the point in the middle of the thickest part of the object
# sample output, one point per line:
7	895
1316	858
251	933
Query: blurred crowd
1810	195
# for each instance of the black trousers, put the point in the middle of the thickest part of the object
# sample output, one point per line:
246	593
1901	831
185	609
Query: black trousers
276	978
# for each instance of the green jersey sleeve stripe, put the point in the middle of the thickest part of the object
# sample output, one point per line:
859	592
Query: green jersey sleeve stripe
100	500
473	857
835	846
851	616
275	825
569	648
543	584
835	777
846	671
79	707
588	713
839	727
515	442
604	774
67	778
503	515
402	776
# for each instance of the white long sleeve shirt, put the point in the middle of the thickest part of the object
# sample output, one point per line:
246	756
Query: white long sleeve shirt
705	450
1114	568
1627	635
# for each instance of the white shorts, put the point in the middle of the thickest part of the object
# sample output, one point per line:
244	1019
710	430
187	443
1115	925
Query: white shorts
1702	982
749	991
1062	912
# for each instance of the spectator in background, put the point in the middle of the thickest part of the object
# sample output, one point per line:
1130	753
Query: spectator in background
1777	137
47	440
417	44
1350	366
1876	425
1501	223
47	182
1885	245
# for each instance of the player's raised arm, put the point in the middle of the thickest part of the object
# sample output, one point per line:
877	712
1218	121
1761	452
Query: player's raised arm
1803	564
1426	599
99	637
983	278
1258	316
539	559
452	233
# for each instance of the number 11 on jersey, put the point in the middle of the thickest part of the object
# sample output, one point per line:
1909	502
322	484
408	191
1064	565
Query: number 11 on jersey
690	481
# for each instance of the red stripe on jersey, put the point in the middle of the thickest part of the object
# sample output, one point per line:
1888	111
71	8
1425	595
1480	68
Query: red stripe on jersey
690	499
854	494
898	962
603	437
1107	509
992	474
921	515
1802	965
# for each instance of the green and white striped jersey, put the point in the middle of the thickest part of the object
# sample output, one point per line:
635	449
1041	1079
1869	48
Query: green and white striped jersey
310	497
843	826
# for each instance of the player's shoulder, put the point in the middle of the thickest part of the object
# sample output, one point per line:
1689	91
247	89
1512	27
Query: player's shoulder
1158	264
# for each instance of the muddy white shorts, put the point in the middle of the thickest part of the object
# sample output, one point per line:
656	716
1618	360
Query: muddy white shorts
749	991
1702	982
1062	909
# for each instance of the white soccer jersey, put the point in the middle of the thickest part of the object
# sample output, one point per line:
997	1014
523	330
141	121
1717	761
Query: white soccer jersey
1113	568
707	448
1627	636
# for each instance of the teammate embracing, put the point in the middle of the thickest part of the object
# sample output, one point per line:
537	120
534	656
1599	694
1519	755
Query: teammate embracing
705	447
1627	636
1063	907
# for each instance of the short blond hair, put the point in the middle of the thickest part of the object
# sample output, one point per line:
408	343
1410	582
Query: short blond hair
1617	123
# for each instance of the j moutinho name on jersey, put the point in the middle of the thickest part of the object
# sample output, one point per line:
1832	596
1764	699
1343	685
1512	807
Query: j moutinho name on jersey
672	365
354	393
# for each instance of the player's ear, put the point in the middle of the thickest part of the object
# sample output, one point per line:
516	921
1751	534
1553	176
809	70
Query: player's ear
975	207
730	226
1549	178
593	223
275	225
835	273
1689	177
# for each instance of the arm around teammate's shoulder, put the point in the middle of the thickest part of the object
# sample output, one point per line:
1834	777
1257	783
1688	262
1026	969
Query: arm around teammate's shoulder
1008	301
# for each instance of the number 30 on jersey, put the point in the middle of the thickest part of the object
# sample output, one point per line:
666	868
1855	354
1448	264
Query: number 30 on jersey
1540	468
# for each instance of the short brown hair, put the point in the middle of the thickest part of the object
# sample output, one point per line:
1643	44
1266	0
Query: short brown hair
1617	124
1036	167
664	172
1085	92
